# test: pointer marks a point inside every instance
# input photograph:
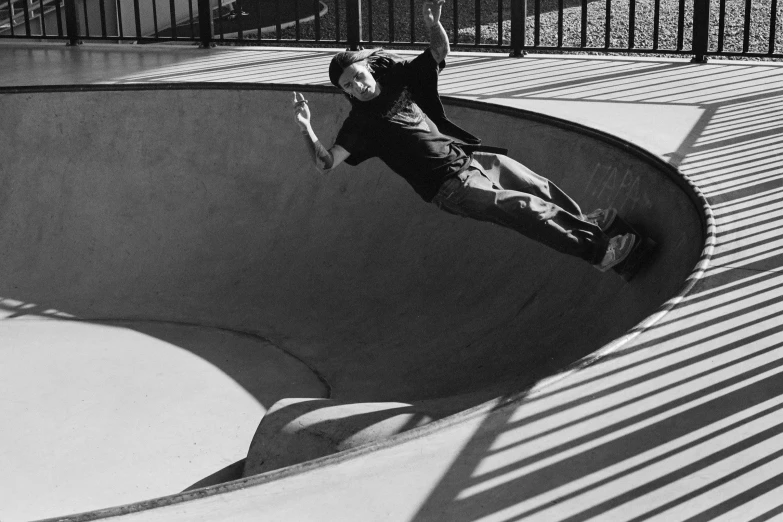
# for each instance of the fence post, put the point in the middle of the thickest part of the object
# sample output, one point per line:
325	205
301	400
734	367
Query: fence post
518	17
71	23
205	24
354	20
701	30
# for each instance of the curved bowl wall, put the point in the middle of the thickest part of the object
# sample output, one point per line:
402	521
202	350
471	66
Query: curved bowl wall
201	207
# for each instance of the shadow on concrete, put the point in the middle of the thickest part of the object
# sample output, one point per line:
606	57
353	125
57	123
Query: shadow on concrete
688	417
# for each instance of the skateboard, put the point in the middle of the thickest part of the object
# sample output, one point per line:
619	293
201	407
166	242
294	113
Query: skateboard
643	249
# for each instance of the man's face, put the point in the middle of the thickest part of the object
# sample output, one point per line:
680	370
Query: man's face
357	81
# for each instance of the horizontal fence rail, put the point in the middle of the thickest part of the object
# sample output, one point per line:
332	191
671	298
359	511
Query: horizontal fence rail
674	27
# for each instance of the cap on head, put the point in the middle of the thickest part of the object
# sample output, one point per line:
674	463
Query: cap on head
336	70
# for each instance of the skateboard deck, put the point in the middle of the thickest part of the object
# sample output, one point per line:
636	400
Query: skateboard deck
643	250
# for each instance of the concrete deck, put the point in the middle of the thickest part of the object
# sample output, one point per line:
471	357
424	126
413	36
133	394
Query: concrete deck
679	419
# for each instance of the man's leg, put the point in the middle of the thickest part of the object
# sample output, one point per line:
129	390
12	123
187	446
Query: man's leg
509	174
474	194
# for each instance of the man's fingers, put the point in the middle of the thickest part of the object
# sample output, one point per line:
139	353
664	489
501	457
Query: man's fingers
432	6
298	98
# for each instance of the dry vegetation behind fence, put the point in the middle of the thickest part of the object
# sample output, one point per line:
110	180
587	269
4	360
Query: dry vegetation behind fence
335	21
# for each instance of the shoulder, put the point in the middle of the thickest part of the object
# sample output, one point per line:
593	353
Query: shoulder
354	130
356	138
390	66
426	62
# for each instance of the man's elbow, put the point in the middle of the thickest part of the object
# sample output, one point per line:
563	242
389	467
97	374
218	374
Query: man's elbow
323	168
324	164
439	54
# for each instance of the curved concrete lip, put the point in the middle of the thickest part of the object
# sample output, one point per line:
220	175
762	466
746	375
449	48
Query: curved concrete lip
379	219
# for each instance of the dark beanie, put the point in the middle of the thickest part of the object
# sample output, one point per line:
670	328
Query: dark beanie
336	69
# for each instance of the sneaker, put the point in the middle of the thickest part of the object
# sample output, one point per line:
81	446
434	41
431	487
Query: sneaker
618	250
602	218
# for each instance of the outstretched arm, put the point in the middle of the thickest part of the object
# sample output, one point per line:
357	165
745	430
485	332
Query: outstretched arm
439	41
323	159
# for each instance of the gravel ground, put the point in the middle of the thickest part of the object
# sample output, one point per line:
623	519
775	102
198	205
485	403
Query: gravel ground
734	32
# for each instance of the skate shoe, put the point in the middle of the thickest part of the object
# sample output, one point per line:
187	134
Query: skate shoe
602	218
618	250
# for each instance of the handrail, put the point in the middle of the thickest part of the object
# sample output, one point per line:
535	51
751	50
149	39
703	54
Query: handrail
590	26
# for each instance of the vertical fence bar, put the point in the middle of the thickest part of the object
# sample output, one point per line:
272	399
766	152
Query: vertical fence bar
58	14
413	21
278	21
137	17
681	24
455	23
608	25
560	8
26	12
190	19
721	25
353	10
370	33
205	24
632	24
120	30
518	29
237	9
537	24
773	22
317	5
71	22
173	19
259	21
748	14
583	38
500	23
701	30
220	29
41	16
102	6
391	21
86	19
297	28
477	22
11	17
656	23
336	20
154	15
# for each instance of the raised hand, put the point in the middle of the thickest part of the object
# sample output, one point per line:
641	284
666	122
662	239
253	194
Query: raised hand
432	10
301	111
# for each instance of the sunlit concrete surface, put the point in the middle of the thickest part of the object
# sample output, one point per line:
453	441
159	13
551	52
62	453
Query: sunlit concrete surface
139	406
678	420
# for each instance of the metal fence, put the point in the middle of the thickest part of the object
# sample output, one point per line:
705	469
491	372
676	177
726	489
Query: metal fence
674	27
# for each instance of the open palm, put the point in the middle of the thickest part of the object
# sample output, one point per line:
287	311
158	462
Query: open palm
432	10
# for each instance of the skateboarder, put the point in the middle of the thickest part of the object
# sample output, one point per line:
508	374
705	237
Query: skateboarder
396	115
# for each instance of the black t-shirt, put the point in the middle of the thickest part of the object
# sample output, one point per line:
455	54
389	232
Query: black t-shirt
393	128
